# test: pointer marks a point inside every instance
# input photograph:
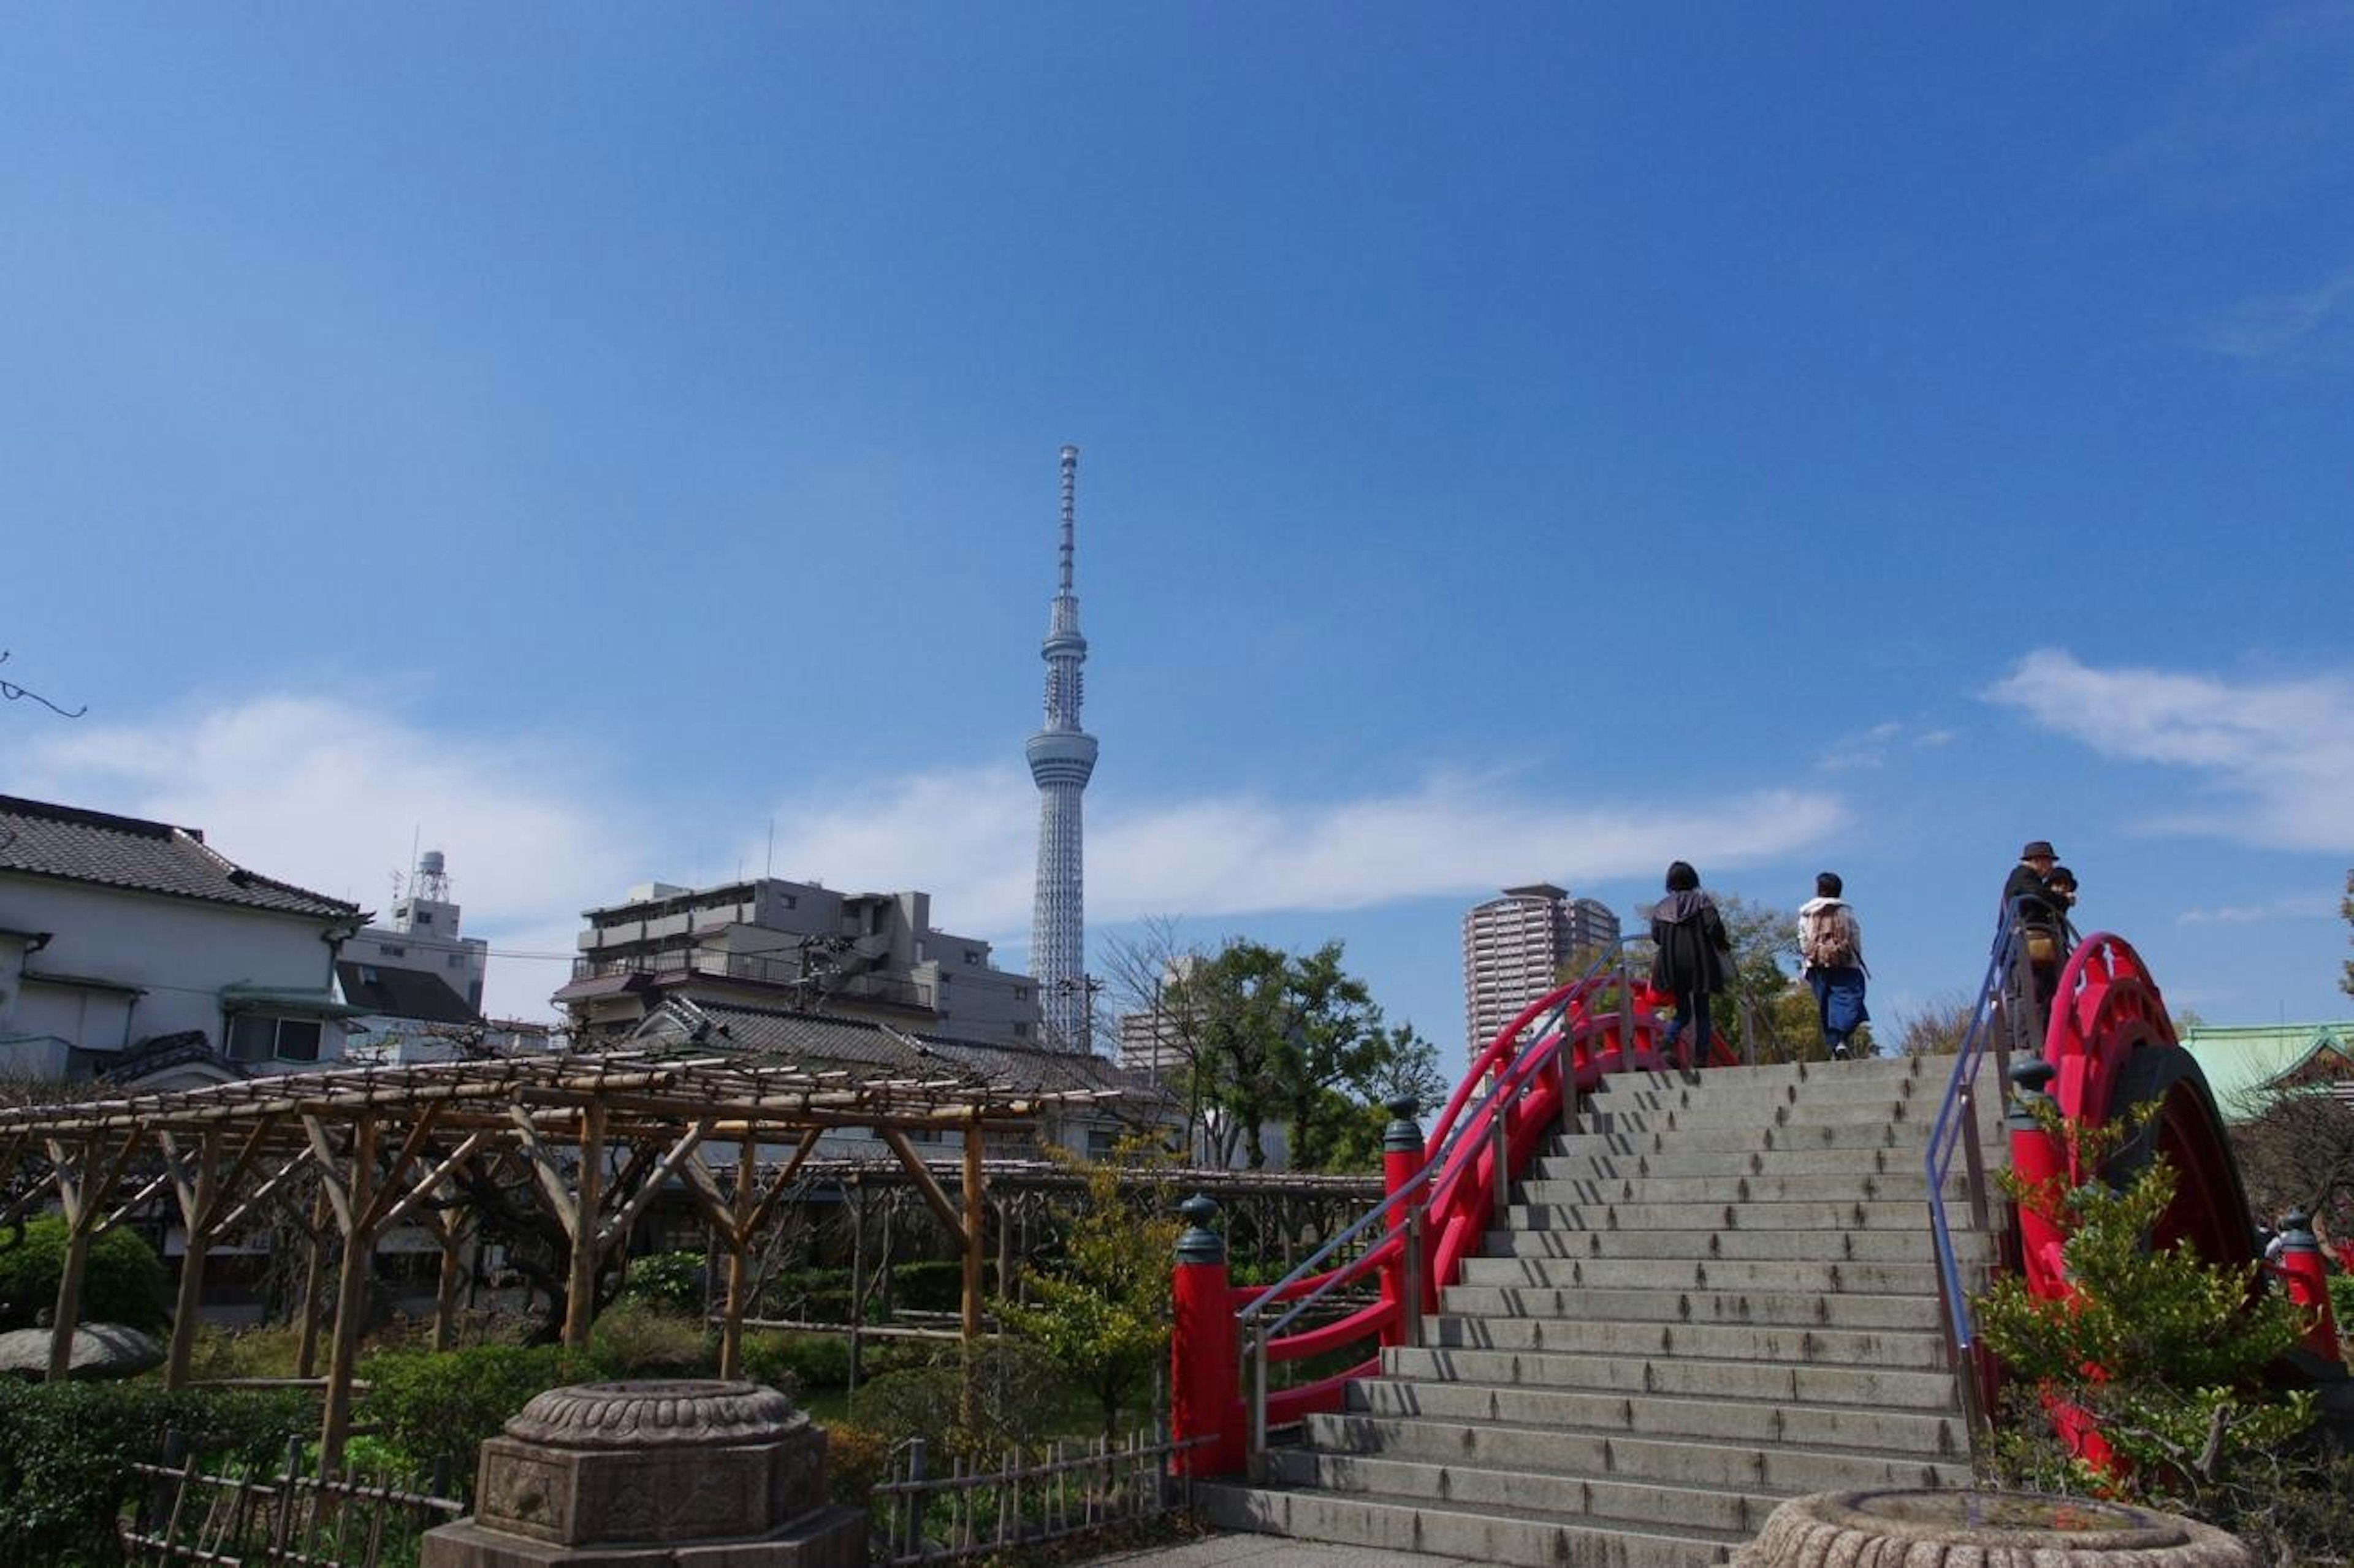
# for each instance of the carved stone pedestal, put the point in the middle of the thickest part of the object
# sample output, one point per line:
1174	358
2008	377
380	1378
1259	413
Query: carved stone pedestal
653	1474
1981	1530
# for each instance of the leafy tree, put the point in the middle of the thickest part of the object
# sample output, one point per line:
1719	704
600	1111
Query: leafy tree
1936	1027
1331	1038
123	1279
1099	1301
2346	909
2163	1350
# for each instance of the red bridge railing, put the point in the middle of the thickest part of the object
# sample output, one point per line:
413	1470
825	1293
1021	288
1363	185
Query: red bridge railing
1438	1207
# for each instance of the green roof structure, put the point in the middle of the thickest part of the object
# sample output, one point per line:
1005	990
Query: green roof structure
2242	1060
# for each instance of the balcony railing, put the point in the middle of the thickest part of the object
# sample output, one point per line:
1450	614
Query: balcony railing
783	970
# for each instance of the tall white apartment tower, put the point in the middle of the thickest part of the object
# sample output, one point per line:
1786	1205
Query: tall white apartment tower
1514	948
1062	757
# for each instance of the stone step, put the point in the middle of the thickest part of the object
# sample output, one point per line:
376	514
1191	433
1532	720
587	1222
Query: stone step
1719	1274
1722	1212
1753	1104
1903	1349
1790	1382
1733	1118
1466	1448
1709	1513
1907	1245
1776	1075
1718	1162
1700	1418
1781	1309
1908	1134
1514	1538
1867	1186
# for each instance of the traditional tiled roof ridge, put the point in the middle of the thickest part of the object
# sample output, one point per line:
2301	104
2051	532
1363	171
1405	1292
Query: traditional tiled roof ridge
75	843
84	816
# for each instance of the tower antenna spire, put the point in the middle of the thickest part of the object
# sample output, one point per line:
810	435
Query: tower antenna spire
1061	758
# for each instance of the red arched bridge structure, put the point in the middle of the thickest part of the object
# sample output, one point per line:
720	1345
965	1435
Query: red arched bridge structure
2090	1032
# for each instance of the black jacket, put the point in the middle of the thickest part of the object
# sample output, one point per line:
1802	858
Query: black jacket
2037	904
1694	954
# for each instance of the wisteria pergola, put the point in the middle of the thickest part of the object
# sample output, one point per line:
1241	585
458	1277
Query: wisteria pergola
601	1136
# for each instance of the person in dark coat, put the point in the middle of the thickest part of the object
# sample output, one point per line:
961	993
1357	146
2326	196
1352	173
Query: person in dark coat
2028	897
1692	957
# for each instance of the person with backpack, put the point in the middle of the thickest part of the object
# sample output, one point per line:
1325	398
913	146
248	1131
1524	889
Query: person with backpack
1830	958
1692	957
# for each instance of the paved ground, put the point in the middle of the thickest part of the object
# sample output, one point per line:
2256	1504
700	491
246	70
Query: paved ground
1272	1551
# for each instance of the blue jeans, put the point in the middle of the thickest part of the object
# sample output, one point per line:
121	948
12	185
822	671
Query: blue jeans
1838	1003
1691	1007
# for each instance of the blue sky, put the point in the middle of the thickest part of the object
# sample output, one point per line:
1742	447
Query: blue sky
1520	441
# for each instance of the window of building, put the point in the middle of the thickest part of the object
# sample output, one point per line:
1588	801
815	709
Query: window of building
1020	1031
424	917
258	1037
391	950
1021	993
457	960
971	957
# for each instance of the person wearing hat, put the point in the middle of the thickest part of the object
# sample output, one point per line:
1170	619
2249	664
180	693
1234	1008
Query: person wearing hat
2028	898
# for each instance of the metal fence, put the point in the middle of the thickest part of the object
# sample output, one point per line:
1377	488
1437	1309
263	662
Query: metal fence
1067	1489
190	1516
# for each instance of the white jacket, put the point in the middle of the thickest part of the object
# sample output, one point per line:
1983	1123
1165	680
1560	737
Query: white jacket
1818	914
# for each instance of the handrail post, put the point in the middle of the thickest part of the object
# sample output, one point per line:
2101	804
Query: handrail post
1401	1162
1417	1281
2305	1273
1202	1376
1625	1014
2037	1161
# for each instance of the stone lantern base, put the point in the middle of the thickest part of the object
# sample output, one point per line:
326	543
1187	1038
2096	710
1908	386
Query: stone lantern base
653	1474
1907	1529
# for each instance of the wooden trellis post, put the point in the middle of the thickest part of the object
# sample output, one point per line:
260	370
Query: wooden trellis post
85	1179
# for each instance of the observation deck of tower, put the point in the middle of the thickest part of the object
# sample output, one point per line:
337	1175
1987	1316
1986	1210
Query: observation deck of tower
1062	757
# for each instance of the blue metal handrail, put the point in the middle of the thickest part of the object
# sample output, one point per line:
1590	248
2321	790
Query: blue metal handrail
1957	1125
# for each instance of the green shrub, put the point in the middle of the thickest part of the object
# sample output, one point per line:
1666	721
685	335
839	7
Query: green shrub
671	1281
796	1361
855	1458
638	1340
2341	1304
1019	1397
122	1282
435	1406
65	1475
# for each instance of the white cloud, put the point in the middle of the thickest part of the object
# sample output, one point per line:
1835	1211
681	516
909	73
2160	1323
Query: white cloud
330	796
2296	907
1869	747
2278	753
971	836
327	795
2313	326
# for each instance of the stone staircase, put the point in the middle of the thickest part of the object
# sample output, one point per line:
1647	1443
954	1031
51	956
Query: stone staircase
1714	1292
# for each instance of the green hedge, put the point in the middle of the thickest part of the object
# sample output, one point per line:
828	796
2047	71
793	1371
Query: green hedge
436	1407
65	1475
122	1282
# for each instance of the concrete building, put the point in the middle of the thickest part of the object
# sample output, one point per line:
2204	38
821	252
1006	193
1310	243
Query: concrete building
419	979
133	949
775	944
1514	949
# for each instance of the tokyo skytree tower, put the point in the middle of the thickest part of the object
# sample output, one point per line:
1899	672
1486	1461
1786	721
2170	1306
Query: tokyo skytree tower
1061	756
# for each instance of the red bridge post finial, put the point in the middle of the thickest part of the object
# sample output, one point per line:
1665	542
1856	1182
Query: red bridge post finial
2305	1273
1204	1376
1405	1280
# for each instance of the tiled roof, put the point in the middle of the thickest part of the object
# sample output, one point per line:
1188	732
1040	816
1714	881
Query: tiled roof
38	839
875	1049
396	992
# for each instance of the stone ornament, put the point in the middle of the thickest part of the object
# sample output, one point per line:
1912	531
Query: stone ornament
1982	1530
670	1472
